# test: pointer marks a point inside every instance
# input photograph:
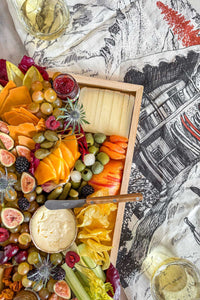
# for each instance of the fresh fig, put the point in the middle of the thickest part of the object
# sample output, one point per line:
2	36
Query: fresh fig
7	159
11	217
24	151
3	258
7	141
4	127
28	182
62	289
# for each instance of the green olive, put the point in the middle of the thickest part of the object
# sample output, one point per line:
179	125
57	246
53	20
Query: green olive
99	138
93	149
40	198
79	165
51	136
86	174
97	167
103	158
89	139
39	137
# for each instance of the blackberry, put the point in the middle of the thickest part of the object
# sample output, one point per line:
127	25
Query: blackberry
87	190
23	203
33	275
22	164
58	273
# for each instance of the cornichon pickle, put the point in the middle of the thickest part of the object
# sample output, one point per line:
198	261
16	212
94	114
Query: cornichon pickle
41	153
51	136
75	185
39	137
47	144
83	183
99	137
55	193
65	191
73	193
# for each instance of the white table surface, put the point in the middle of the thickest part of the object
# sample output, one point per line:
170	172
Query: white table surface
11	47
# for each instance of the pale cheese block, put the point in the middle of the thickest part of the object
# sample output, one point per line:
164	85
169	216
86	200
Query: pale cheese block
107	111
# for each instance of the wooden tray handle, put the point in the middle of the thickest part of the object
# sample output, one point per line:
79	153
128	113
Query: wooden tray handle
115	199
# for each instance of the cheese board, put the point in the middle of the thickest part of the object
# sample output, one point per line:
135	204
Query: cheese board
63	138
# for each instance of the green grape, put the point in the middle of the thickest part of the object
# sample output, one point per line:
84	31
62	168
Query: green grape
57	112
26	282
46	84
27	216
50	285
44	294
30	196
23	268
11	195
16	229
57	103
46	108
56	258
32	249
50	95
37	286
38	97
33	258
37	86
34	107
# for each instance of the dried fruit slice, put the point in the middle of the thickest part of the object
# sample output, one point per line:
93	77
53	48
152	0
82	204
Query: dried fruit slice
44	173
11	217
32	75
24	151
71	142
7	141
67	155
7	159
62	289
28	182
47	161
4	127
14	73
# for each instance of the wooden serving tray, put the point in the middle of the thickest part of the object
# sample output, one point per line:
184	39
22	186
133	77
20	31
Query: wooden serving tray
136	91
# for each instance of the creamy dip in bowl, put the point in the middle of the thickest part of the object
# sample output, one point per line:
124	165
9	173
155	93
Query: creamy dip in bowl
53	231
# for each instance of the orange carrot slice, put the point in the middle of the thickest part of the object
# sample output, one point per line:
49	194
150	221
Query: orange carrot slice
114	147
118	138
112	154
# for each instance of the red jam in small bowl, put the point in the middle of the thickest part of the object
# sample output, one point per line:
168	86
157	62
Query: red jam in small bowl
66	86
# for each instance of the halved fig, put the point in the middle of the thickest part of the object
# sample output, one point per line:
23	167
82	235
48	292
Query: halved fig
28	182
7	159
7	141
62	289
24	151
4	127
11	217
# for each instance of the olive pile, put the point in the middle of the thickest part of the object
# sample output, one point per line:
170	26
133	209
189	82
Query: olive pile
47	140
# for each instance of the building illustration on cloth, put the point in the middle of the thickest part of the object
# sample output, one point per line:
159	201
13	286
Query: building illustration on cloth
169	130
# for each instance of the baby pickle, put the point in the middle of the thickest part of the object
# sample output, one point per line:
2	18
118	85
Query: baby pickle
73	193
65	191
99	138
55	193
75	185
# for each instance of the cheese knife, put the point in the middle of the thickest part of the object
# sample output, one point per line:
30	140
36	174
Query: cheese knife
63	204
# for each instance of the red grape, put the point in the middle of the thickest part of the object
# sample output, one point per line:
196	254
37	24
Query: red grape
11	250
4	234
21	256
3	258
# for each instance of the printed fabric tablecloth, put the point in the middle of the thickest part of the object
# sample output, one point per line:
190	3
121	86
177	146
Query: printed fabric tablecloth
155	44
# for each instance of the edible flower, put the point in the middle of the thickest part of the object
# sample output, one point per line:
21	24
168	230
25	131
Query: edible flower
71	258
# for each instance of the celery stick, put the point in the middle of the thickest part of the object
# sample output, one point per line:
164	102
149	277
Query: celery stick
75	284
82	249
